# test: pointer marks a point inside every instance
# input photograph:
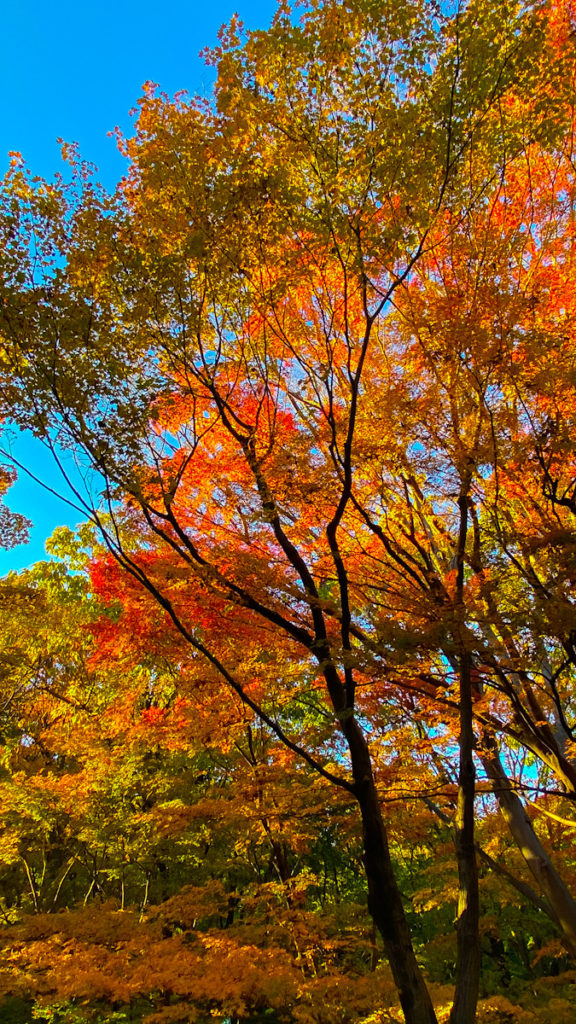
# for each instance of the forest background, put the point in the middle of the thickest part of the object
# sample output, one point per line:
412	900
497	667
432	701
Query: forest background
288	723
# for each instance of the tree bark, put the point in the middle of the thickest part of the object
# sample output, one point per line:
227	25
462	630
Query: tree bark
468	957
468	961
384	899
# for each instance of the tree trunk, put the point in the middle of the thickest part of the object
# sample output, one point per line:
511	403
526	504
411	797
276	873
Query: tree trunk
468	943
468	959
551	885
384	899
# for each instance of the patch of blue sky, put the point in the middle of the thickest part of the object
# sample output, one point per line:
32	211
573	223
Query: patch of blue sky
75	71
47	495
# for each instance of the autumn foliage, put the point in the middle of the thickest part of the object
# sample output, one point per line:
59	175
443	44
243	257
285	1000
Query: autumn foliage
289	727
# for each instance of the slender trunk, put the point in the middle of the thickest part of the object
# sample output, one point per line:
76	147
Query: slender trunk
68	868
551	885
384	899
145	899
30	877
87	896
468	960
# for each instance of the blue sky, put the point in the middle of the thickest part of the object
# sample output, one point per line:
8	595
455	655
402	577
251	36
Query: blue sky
74	70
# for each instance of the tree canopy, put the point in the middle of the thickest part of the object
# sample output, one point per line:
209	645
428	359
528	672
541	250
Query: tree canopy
315	359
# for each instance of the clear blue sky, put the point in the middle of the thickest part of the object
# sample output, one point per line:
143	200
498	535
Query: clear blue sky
74	70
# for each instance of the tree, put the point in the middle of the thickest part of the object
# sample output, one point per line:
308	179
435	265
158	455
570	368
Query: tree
188	862
310	475
13	525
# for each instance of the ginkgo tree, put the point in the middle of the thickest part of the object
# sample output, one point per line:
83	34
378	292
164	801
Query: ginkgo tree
310	348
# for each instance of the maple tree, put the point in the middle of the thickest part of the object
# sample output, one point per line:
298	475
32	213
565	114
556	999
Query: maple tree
13	526
317	350
189	843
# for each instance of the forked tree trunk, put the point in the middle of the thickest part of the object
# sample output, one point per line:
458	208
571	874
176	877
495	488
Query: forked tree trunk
561	901
384	899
